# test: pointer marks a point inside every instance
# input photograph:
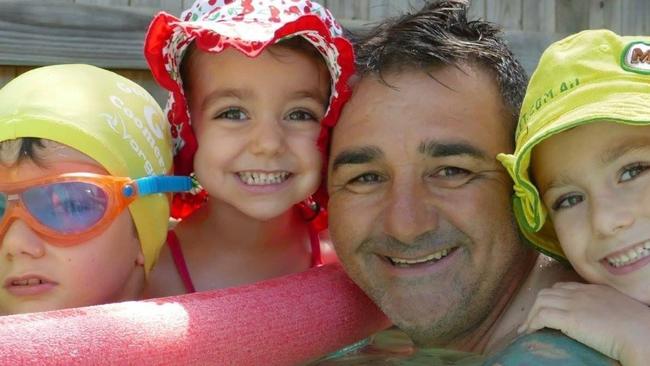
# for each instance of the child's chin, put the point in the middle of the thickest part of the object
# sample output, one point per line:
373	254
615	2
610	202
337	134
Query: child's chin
265	211
35	308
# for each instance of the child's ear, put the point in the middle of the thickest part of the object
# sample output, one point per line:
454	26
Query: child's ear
139	260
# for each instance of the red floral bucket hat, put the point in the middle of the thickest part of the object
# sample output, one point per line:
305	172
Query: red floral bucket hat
248	26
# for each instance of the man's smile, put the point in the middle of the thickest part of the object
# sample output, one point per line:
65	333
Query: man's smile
407	262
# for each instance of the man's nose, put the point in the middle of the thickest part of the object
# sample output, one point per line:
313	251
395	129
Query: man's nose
408	214
611	214
20	240
268	137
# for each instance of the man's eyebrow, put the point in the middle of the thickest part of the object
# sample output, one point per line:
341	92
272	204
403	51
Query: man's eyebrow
436	149
361	155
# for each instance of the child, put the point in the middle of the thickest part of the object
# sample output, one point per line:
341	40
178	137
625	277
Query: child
77	144
255	88
582	160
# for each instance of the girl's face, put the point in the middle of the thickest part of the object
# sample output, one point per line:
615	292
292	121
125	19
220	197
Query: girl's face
257	122
595	182
36	275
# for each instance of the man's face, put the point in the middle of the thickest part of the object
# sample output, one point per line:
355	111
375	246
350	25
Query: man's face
420	211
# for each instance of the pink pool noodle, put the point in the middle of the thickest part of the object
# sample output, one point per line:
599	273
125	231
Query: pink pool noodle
283	321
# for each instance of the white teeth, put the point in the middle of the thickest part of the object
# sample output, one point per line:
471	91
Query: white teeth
33	281
403	262
29	282
632	255
260	178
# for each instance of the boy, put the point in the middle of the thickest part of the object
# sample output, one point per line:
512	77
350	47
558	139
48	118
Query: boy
68	136
582	159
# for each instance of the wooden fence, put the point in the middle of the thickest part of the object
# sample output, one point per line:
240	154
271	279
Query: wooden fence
109	33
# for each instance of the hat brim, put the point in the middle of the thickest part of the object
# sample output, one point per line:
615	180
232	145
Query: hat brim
631	108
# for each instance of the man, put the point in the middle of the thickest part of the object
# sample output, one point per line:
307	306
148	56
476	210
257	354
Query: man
420	209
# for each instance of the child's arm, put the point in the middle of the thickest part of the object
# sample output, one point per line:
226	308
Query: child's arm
596	315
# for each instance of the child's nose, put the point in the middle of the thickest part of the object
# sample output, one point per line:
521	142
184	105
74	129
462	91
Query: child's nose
268	138
19	239
610	215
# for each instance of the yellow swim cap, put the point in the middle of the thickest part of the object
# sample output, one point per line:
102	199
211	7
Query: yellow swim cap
591	76
105	116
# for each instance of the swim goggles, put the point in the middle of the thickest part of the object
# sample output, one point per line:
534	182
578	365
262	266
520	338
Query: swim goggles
72	208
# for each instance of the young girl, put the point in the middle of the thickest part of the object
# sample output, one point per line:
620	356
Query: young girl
582	184
83	158
255	87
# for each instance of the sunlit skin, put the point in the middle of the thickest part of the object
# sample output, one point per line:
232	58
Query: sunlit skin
105	269
595	183
251	116
412	173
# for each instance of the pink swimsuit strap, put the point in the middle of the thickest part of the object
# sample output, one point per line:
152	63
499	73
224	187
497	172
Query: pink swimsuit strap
179	261
181	266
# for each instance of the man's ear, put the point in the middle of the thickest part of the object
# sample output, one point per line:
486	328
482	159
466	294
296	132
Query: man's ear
139	260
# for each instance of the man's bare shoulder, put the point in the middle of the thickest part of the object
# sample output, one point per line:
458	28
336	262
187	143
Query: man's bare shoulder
545	273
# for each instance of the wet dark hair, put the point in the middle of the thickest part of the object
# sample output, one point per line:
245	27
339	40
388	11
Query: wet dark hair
13	152
441	35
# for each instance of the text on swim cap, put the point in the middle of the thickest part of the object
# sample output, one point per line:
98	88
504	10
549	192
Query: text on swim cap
150	132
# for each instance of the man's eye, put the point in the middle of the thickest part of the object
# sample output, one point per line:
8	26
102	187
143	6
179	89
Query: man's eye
452	171
567	201
233	114
632	171
367	178
301	115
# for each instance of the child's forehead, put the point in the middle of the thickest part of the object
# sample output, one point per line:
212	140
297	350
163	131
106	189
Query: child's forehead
595	145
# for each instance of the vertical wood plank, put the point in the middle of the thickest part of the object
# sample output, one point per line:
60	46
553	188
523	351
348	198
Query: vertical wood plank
476	10
538	16
507	13
377	9
334	7
398	7
571	16
395	7
348	10
361	10
646	22
606	14
634	17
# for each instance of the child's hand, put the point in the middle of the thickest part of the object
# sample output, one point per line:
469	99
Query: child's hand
596	315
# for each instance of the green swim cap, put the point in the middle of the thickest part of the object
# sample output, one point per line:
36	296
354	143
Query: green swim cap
591	76
105	116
